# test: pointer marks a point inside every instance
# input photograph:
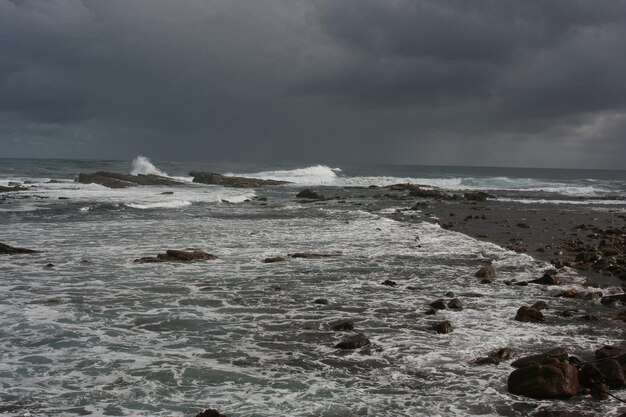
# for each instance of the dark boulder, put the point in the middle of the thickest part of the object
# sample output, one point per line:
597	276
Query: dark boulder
540	305
310	195
443	327
477	196
389	283
173	255
307	255
439	304
547	279
10	250
487	272
228	181
529	314
209	412
341	325
550	381
612	372
555	355
455	304
274	259
494	358
322	301
353	342
607	351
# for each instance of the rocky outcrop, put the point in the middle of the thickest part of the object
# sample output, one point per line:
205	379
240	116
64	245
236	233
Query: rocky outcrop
118	180
551	381
555	355
10	250
228	181
4	189
173	255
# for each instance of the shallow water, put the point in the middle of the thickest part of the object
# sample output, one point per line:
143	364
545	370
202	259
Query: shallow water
97	334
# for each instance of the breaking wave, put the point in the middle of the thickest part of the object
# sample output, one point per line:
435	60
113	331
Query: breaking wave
142	165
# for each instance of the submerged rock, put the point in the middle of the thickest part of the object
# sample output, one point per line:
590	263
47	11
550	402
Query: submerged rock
209	412
341	325
10	250
353	342
274	259
174	255
494	358
228	181
308	255
4	189
547	279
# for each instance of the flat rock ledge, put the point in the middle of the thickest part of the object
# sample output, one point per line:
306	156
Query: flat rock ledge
228	181
118	180
10	250
174	255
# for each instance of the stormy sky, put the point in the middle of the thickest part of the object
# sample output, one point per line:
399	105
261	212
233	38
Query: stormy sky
539	83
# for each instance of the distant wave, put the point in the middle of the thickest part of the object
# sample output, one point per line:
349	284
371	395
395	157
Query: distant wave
142	165
313	175
159	204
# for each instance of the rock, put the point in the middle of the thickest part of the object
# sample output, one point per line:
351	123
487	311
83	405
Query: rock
558	354
486	272
610	351
443	327
167	193
529	314
4	189
309	194
321	301
561	413
477	196
455	304
556	380
341	325
494	357
389	283
117	180
306	255
547	279
612	372
540	305
173	255
209	412
228	181
589	375
274	259
571	293
439	304
613	299
10	250
353	342
450	294
523	225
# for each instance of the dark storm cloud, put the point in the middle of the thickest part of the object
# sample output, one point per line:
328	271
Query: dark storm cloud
456	82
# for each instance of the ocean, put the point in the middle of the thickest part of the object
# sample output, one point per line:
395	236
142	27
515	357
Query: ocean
86	331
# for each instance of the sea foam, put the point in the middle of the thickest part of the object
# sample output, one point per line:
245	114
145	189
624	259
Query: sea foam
142	165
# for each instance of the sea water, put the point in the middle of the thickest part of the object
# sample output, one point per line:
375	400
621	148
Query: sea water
86	331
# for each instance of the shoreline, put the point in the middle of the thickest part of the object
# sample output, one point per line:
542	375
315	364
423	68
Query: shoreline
555	233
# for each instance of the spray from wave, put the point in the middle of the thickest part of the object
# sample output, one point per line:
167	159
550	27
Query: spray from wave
142	165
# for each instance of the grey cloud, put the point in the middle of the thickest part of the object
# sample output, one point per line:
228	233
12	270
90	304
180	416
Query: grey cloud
324	80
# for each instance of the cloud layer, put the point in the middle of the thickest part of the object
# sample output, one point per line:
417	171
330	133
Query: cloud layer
534	83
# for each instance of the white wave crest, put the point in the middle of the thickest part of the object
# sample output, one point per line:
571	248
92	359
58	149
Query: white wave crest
313	175
142	165
159	204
